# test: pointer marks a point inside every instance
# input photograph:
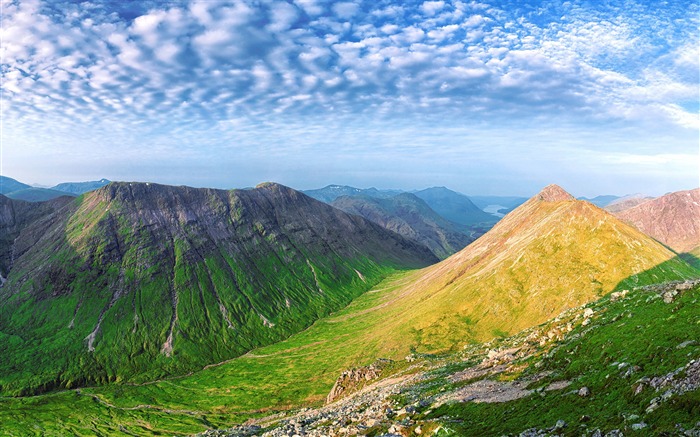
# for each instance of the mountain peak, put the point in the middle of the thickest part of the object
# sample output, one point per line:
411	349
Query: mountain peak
554	193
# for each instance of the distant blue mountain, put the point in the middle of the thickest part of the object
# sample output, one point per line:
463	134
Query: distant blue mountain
78	188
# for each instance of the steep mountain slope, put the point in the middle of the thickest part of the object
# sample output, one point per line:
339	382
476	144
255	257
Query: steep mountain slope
8	185
77	188
411	217
15	215
673	219
551	253
329	193
593	370
626	202
454	206
134	281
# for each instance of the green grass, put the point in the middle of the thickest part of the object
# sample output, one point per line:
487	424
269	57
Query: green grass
296	371
641	331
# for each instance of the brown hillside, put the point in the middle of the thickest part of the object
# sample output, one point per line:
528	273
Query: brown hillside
673	219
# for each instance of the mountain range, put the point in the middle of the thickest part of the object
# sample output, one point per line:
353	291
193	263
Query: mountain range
21	191
187	309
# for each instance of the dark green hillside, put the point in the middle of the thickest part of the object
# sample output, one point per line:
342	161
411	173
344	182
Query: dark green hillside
136	281
408	215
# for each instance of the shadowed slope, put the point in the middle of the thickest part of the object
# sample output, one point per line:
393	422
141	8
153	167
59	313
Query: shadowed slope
408	215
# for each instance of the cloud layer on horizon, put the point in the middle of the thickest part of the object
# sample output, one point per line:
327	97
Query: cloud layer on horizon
193	77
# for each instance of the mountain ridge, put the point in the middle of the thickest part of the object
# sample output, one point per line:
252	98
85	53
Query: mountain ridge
177	277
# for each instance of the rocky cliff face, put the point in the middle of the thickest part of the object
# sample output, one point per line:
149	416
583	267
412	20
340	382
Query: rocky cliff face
16	215
673	219
141	280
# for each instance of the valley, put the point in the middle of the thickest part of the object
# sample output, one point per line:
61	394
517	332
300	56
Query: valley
522	285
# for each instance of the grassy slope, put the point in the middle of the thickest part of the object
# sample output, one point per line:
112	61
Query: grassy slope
296	371
639	330
106	268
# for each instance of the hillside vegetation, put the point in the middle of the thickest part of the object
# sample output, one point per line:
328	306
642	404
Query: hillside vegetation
137	281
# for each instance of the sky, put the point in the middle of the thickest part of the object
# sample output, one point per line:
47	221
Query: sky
484	97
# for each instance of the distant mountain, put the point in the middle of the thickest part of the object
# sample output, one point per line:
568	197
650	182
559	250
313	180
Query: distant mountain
8	185
551	253
673	219
33	194
20	191
408	215
331	192
78	188
135	281
626	202
601	201
454	206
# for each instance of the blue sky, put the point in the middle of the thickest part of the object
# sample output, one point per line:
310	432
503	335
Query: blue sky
485	97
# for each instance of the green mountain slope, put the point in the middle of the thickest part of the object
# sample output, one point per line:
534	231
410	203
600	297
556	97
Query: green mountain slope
138	281
411	217
454	206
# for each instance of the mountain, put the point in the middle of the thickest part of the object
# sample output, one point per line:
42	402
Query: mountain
673	219
34	194
329	193
626	202
454	206
20	191
15	215
8	185
77	188
408	215
601	201
551	253
552	250
135	281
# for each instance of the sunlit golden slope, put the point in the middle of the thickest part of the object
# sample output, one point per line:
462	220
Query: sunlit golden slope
551	253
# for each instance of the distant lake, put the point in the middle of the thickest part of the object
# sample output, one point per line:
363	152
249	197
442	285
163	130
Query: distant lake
493	209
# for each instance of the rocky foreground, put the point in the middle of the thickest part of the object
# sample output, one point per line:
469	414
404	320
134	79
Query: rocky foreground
412	397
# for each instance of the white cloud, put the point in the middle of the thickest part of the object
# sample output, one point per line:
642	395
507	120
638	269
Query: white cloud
431	8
